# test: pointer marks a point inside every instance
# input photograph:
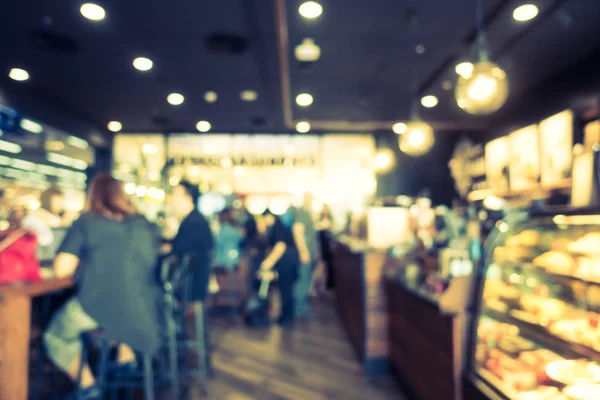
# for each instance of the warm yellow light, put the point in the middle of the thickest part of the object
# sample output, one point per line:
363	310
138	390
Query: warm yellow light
174	180
18	74
429	101
226	163
310	10
239	171
203	126
418	138
526	12
175	99
307	51
384	161
399	128
248	95
210	96
149	148
141	191
143	64
93	12
303	126
464	69
114	126
485	91
304	99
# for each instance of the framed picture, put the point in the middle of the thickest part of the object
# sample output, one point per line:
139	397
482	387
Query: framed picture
556	139
524	168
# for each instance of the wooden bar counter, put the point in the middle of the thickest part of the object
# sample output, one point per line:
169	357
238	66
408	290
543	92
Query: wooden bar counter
15	326
425	343
361	301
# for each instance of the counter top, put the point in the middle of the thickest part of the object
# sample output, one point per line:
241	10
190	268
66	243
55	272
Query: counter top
35	289
430	298
357	245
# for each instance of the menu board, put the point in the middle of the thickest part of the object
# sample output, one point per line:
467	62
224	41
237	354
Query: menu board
496	163
556	135
591	135
524	167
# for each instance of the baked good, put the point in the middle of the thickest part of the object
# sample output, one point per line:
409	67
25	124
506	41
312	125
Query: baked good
555	262
588	269
527	238
588	244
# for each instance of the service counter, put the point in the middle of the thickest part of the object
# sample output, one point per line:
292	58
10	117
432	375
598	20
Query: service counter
15	332
360	298
425	342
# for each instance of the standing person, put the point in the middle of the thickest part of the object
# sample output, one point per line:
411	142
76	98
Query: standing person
194	237
325	226
112	252
252	242
228	241
283	257
305	237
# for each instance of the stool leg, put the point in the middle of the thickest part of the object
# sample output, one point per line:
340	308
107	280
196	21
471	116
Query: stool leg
207	347
148	378
200	341
173	360
82	362
103	360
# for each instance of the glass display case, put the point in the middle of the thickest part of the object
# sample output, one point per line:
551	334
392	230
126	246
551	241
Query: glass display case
536	332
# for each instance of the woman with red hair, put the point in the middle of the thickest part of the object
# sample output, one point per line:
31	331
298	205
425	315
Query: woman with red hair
111	251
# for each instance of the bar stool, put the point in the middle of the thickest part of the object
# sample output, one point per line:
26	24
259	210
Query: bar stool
104	345
201	341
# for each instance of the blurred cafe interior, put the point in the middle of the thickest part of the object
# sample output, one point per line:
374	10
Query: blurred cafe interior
291	199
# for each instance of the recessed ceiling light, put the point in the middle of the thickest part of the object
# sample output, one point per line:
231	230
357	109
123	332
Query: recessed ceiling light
248	95
143	64
526	12
114	126
203	126
310	10
93	12
18	74
447	85
307	51
464	69
175	99
210	96
429	101
303	126
304	99
420	49
399	128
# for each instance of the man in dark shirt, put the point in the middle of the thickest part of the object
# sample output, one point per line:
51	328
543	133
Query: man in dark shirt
194	238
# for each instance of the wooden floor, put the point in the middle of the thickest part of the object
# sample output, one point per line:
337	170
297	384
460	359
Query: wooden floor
313	360
310	361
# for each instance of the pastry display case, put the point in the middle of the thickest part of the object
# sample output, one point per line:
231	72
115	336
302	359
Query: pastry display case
536	331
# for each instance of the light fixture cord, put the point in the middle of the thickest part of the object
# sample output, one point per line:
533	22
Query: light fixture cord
414	105
482	50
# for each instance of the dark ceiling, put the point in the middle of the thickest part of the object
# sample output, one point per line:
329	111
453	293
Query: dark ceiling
366	74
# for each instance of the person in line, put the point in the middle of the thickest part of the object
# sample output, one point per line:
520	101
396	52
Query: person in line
283	257
228	240
48	216
325	226
194	237
111	250
305	237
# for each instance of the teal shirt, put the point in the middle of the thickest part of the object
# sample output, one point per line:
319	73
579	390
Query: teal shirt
300	215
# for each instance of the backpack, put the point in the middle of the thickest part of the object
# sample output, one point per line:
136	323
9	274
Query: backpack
18	261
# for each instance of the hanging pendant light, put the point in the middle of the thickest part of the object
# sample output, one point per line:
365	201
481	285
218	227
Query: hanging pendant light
418	138
485	89
384	161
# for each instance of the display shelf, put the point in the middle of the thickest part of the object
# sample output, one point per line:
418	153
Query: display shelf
539	302
538	190
543	338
